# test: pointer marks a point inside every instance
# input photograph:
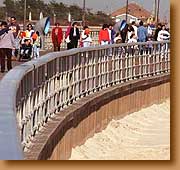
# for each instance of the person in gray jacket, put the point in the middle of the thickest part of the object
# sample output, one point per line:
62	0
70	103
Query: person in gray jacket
7	43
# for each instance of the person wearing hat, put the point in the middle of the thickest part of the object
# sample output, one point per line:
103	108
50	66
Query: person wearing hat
7	43
57	36
74	35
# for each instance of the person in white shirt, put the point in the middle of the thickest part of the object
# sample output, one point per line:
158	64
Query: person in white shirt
149	30
133	39
135	27
163	34
86	39
111	33
130	32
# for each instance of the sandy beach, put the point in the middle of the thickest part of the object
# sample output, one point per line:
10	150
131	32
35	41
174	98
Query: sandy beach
143	135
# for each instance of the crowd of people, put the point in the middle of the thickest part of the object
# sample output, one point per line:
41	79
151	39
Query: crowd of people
72	36
26	44
16	44
133	33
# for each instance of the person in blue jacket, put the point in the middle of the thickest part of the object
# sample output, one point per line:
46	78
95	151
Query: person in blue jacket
142	36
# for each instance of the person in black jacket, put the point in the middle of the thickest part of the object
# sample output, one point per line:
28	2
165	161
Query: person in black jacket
74	35
159	28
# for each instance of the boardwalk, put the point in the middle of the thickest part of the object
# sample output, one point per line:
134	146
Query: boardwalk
14	63
143	135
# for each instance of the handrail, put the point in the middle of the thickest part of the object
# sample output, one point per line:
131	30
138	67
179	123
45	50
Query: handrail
33	92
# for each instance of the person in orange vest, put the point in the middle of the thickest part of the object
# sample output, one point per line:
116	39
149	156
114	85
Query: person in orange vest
29	32
36	44
85	36
26	43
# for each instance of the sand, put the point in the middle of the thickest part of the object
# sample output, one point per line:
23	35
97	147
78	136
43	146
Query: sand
143	135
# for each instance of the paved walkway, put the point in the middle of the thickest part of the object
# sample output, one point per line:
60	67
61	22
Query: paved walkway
15	63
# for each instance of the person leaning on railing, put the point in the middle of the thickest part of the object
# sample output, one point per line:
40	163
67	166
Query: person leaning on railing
7	43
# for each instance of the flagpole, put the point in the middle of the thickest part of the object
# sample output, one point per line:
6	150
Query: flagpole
24	23
127	10
158	6
155	10
84	12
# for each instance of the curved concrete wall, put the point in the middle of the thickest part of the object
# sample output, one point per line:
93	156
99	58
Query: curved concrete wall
91	114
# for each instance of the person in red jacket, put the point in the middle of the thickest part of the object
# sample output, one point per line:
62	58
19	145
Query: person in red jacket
104	35
57	37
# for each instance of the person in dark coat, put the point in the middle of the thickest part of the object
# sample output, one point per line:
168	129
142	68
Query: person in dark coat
6	46
159	28
74	35
123	33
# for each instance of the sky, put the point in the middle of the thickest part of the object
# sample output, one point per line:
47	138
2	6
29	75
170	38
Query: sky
109	6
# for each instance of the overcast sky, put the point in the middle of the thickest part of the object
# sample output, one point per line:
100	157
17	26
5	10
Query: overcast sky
109	6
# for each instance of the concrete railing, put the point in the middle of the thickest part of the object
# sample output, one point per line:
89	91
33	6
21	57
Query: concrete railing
91	114
34	92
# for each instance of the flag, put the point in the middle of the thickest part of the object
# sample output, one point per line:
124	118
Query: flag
40	16
30	16
69	17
